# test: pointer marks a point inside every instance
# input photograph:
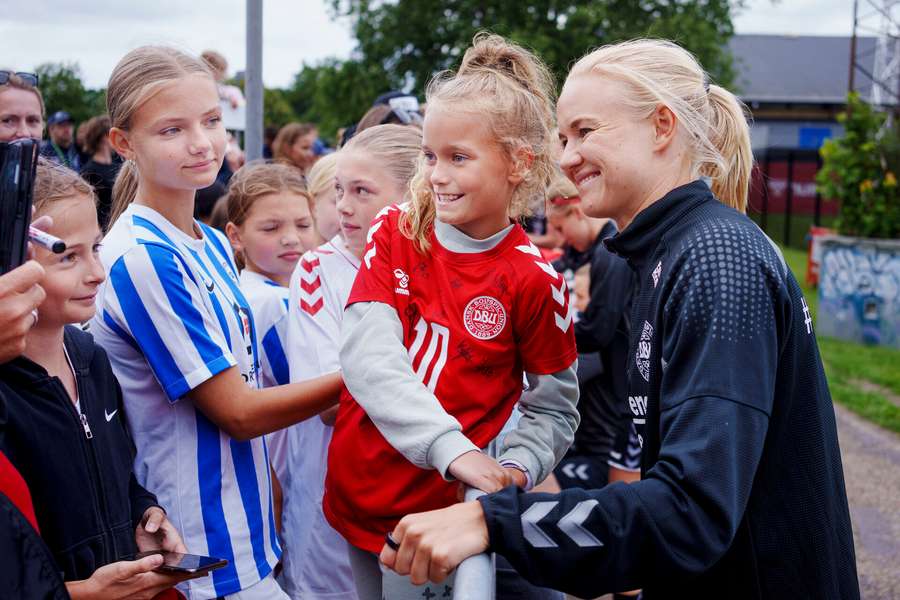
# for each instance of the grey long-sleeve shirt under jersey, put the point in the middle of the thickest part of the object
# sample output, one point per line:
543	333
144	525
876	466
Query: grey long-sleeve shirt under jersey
378	372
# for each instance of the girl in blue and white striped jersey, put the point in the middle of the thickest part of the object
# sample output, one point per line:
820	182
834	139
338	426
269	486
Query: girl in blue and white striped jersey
180	333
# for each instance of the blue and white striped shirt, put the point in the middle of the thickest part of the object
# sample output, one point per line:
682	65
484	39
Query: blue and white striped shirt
269	303
171	315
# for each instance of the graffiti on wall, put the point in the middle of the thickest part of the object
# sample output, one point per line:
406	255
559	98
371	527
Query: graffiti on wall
859	290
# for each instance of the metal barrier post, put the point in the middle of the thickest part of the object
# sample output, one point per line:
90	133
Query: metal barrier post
475	575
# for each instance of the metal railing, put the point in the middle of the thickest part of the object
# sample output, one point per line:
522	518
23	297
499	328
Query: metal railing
475	575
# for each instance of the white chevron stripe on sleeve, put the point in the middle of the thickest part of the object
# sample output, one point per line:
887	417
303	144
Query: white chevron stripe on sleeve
375	227
572	524
559	295
530	529
370	254
564	323
547	268
529	249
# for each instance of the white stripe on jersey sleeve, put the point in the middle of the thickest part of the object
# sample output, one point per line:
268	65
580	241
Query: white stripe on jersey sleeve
161	307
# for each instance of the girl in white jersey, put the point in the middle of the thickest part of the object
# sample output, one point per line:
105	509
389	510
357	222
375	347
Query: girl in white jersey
180	333
372	171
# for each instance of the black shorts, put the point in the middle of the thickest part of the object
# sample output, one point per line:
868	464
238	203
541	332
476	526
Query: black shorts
626	452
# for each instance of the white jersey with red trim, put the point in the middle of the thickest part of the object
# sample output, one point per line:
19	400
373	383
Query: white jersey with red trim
315	559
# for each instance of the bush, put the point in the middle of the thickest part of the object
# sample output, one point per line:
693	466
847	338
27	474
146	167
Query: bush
860	169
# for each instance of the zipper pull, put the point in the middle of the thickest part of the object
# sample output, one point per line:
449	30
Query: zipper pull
87	428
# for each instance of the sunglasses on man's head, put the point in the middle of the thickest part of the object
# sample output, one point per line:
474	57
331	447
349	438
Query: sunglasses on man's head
27	78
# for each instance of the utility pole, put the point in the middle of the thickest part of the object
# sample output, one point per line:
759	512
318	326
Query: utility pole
253	83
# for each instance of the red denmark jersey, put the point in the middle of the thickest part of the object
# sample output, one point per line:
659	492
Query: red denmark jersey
472	323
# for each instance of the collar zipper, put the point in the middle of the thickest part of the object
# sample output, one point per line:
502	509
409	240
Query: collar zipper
87	427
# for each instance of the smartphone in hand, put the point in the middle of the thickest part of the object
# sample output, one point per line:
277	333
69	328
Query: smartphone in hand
174	562
18	164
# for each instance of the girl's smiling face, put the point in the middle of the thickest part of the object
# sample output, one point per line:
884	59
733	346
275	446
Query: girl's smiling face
472	178
176	137
71	279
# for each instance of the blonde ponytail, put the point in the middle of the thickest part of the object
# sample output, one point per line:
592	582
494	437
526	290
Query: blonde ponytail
124	190
731	137
514	92
135	79
714	126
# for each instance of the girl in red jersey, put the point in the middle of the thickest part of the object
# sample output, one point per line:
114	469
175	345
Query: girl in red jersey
451	306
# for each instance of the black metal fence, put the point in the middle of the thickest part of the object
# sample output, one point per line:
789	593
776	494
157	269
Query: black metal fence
784	200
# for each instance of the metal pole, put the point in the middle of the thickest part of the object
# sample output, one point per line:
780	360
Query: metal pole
253	81
475	575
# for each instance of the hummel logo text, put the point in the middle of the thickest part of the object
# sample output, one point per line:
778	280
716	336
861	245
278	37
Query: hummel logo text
638	405
807	318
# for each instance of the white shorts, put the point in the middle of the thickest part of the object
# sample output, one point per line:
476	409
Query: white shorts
266	589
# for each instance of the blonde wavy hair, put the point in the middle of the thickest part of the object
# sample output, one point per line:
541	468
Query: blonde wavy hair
321	176
713	120
140	74
514	91
396	149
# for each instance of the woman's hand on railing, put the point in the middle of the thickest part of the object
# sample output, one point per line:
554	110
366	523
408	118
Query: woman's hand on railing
433	543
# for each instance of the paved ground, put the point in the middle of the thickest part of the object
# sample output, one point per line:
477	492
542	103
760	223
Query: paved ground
871	458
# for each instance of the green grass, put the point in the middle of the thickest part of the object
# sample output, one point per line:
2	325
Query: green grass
847	364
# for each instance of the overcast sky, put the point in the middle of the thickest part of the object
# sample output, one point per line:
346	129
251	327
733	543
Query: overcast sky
96	33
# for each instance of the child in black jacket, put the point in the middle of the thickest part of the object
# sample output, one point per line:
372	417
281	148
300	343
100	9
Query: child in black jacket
64	428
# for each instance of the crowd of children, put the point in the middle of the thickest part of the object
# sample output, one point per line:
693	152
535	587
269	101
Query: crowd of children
373	331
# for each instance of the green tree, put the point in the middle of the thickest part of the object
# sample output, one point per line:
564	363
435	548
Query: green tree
860	169
335	93
63	89
277	110
408	40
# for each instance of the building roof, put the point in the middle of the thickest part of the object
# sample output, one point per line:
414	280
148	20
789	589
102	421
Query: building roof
799	69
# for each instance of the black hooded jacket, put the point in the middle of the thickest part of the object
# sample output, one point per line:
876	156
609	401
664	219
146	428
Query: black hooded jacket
742	494
77	466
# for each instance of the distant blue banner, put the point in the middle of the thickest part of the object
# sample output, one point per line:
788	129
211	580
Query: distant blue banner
812	138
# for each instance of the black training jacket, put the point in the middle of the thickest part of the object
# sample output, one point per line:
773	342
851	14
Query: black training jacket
86	499
742	493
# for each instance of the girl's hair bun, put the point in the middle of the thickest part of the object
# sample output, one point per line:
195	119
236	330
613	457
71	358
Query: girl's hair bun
492	53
